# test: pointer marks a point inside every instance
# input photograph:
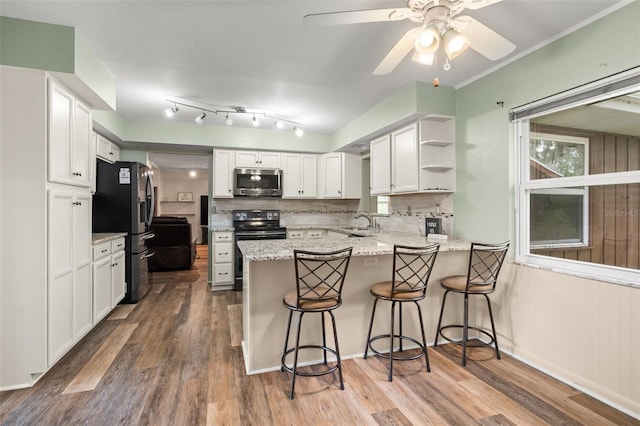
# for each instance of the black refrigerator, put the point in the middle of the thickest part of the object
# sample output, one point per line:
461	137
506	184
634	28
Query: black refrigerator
124	202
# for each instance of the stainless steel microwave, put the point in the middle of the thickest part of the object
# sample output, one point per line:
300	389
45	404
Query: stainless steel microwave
257	183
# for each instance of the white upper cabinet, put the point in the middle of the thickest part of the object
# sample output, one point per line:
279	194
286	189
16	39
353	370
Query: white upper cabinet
415	158
380	168
404	160
437	154
300	175
107	150
253	159
340	175
70	137
223	163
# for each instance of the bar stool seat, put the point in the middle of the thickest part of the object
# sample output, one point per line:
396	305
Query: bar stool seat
411	270
485	262
319	280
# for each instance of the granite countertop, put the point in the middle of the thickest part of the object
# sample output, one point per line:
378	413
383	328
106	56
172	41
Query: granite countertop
103	237
379	244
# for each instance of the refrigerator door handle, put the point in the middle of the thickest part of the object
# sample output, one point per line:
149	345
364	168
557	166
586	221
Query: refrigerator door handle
146	256
148	236
153	199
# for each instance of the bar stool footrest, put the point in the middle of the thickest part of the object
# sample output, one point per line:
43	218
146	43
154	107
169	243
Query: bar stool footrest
479	344
396	356
310	373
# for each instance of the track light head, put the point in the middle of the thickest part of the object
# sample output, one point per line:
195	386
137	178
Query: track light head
298	131
199	119
228	120
255	121
170	112
278	124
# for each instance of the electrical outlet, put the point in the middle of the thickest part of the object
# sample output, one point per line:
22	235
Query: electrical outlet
324	209
371	261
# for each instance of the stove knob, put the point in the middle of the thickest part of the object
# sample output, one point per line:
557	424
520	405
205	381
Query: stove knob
269	216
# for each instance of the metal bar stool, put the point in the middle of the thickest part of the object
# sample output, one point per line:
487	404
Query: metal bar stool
485	262
319	281
411	269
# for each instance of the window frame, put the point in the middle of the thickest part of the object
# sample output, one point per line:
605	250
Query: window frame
524	185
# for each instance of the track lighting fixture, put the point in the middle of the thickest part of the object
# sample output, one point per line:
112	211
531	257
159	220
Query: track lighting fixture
170	112
278	122
199	119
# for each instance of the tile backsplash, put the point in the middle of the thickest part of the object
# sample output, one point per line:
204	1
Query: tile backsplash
407	212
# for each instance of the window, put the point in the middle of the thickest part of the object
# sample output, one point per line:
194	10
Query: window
383	204
578	180
558	216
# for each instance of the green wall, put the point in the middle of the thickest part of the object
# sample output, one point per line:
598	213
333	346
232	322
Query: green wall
56	48
485	153
36	45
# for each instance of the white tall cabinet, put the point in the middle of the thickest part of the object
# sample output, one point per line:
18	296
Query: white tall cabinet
70	288
45	249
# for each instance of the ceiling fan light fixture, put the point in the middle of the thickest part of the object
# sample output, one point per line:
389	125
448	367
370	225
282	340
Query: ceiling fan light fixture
428	41
425	59
454	43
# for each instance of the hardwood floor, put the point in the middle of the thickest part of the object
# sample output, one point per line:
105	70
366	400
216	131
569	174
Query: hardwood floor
175	359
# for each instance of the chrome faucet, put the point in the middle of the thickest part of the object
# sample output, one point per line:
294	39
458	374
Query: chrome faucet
372	220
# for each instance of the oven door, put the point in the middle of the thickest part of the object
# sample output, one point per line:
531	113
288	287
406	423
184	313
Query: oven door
250	235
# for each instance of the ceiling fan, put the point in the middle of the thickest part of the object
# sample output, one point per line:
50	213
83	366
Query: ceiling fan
440	24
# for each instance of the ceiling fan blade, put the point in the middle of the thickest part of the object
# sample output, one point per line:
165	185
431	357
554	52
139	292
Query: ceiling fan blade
483	39
355	17
398	52
478	4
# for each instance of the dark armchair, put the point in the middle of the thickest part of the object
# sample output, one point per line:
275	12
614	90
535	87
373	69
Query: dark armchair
173	246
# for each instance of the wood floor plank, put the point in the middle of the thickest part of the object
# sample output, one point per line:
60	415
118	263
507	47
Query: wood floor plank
391	417
235	324
604	411
121	312
223	413
92	372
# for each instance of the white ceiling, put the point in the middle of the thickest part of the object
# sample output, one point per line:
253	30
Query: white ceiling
259	54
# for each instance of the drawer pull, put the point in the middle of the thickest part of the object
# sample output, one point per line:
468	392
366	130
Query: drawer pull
104	251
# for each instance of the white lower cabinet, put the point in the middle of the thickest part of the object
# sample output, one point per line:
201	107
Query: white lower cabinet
118	283
223	253
109	284
69	295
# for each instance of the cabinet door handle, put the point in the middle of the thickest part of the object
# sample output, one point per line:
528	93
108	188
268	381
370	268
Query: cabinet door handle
77	203
77	174
223	254
104	251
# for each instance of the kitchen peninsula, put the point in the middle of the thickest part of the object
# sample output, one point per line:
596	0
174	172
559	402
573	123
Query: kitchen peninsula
269	274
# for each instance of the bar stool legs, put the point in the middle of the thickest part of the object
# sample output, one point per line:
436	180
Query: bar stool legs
294	368
399	336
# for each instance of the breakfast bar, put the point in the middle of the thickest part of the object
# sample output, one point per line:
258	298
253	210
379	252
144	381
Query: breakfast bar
269	274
